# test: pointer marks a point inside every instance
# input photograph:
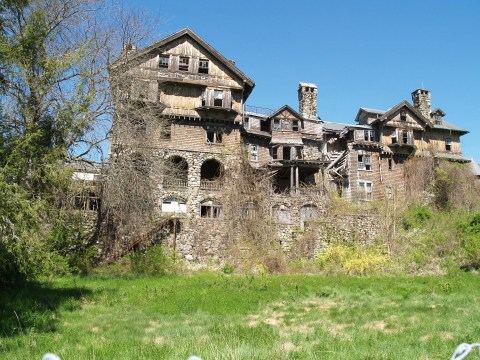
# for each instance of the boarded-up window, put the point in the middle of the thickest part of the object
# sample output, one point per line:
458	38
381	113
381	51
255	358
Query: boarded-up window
281	214
308	212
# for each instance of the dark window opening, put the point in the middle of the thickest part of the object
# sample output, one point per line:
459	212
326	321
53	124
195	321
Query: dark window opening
211	210
218	98
405	137
275	153
214	136
264	126
448	144
403	115
286	153
211	170
163	61
203	66
295	125
369	135
183	63
394	137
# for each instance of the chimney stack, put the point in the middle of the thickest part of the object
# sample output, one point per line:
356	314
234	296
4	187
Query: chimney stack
307	98
421	102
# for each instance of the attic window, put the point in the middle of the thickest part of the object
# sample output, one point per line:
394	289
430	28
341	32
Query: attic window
203	66
295	125
438	119
163	61
183	63
276	124
448	144
403	115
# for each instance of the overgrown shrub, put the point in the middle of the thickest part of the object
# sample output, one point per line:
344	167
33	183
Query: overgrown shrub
416	216
352	260
154	261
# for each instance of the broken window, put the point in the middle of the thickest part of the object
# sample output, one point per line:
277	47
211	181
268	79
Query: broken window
404	137
211	170
218	98
210	209
394	136
365	190
448	144
286	153
264	125
364	162
276	124
183	63
275	153
254	153
163	61
246	123
403	115
214	136
87	201
295	125
369	135
203	66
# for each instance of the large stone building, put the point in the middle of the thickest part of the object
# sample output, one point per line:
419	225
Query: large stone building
202	95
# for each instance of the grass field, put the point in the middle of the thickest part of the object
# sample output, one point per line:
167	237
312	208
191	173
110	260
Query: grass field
242	317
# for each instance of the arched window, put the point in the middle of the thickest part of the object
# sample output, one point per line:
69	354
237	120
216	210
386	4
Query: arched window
308	211
211	209
173	204
176	172
211	175
281	214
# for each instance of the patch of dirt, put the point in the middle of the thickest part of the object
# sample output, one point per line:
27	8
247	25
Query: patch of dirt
288	346
95	330
378	326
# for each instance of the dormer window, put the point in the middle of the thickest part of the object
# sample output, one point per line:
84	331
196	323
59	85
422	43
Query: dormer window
163	61
203	66
183	63
438	119
403	115
295	125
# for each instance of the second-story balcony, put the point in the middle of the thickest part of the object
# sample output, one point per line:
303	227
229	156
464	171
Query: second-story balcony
175	184
211	185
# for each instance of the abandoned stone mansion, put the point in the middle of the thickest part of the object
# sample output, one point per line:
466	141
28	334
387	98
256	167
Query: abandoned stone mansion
201	97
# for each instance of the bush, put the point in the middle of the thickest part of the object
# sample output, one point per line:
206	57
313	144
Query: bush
416	217
353	260
154	261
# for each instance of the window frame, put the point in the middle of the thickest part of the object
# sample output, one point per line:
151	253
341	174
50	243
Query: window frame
364	185
364	162
295	125
217	138
211	209
276	124
218	95
161	64
448	144
184	63
203	69
254	152
275	153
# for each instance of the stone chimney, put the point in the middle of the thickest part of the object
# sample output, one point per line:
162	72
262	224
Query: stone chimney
421	102
307	98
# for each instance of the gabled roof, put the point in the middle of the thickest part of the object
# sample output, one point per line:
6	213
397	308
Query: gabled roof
450	127
439	111
406	104
140	55
289	109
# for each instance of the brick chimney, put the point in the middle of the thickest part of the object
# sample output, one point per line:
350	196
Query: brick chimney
307	98
421	102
